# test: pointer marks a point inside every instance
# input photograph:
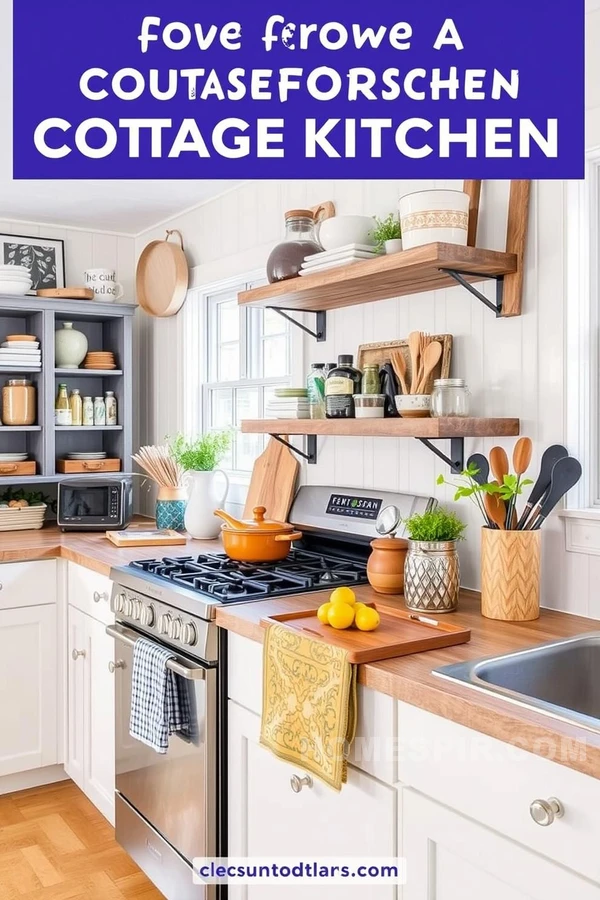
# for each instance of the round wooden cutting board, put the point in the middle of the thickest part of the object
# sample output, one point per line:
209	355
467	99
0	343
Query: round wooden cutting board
162	277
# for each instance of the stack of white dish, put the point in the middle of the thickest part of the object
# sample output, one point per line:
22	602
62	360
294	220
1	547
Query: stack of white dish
22	518
20	354
289	403
13	458
15	280
341	256
83	456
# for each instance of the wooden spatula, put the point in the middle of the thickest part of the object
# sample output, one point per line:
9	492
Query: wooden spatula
431	357
399	367
414	347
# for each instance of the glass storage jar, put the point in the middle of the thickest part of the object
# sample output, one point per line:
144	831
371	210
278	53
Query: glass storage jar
300	241
450	397
18	402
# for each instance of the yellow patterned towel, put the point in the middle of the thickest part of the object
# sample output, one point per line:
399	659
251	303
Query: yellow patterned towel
309	703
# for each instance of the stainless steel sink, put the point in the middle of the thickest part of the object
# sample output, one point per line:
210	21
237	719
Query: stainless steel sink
560	679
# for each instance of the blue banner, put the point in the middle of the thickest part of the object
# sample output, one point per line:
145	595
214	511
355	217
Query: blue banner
257	89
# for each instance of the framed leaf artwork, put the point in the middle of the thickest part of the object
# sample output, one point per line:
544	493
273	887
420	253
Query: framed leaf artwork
44	257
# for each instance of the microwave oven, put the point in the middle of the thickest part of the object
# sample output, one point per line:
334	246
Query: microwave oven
94	504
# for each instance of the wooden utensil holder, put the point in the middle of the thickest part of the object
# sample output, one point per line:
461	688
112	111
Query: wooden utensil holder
510	575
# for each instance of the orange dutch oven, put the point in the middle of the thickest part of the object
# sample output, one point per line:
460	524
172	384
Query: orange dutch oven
257	539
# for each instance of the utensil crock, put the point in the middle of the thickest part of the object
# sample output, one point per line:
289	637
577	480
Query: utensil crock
510	574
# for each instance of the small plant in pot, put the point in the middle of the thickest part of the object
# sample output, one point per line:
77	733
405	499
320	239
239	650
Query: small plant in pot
199	458
432	569
387	234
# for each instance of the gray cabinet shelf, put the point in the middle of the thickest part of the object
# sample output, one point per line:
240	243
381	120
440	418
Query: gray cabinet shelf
108	326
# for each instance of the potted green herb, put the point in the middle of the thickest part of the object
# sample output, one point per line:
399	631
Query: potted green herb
199	458
387	234
432	569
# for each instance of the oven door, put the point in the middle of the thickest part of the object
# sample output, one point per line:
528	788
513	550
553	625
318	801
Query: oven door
176	791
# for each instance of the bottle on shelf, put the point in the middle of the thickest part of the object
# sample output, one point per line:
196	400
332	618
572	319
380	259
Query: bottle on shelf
88	411
99	411
76	404
62	409
315	384
110	402
341	385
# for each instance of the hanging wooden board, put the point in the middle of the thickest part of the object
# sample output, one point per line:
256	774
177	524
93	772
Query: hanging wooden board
273	482
162	277
400	632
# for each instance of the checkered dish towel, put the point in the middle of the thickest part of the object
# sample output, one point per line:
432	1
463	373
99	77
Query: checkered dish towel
160	705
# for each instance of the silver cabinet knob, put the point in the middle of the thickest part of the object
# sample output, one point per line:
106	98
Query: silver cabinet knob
99	596
298	783
147	615
75	654
544	812
113	666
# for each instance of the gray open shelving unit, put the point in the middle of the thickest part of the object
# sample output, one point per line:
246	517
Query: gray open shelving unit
108	326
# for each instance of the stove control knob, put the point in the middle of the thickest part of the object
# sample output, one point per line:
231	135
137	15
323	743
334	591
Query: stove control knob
136	608
118	602
164	623
175	629
189	634
127	606
147	615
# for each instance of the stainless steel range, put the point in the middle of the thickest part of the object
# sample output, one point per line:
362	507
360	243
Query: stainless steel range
171	807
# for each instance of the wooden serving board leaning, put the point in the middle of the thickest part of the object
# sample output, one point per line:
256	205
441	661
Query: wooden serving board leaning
399	633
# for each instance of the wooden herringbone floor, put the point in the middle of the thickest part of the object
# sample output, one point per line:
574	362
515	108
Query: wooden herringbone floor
55	845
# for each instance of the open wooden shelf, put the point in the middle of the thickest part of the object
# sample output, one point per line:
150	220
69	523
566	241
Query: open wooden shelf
408	272
453	427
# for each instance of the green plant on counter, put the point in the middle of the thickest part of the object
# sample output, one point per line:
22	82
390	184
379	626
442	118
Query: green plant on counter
466	486
200	454
387	229
32	497
437	524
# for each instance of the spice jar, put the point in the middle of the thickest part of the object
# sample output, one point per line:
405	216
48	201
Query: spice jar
450	397
300	241
18	402
370	379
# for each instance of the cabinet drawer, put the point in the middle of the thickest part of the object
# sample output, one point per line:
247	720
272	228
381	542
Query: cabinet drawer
374	749
27	584
90	592
495	783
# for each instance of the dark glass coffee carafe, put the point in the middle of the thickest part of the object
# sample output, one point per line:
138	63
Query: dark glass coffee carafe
300	241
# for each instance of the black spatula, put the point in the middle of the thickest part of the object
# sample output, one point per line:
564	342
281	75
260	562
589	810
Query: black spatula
549	459
565	474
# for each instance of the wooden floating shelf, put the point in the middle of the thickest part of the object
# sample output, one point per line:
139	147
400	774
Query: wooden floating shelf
453	427
408	272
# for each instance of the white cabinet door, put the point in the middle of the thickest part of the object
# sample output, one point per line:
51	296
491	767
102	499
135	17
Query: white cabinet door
267	819
100	720
450	857
28	688
77	655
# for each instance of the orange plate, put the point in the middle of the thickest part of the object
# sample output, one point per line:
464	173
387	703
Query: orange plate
399	633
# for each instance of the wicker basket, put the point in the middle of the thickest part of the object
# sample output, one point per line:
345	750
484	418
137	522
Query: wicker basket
22	518
510	575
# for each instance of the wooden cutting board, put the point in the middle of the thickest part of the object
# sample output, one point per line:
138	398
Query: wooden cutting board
162	277
67	293
399	633
273	482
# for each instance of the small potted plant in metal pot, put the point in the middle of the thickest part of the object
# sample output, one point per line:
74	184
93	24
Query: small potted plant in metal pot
432	569
387	234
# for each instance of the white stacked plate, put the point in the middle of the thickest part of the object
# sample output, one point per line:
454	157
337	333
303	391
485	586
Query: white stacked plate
31	346
13	457
14	280
82	456
22	518
341	256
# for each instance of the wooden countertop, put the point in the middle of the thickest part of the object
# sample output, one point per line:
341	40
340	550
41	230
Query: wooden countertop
406	678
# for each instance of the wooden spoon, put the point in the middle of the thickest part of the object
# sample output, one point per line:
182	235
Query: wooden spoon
521	459
414	344
495	507
499	463
431	357
399	366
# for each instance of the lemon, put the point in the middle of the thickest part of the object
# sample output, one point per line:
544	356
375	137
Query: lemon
367	619
340	615
358	606
322	613
343	595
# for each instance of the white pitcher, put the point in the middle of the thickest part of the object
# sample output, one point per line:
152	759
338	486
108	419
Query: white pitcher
200	520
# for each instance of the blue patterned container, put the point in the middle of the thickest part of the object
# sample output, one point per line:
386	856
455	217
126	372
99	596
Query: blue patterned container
170	513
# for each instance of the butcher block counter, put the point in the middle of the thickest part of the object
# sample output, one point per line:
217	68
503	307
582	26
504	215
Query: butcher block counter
406	678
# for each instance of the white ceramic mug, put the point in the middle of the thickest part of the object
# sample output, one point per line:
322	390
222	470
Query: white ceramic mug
104	284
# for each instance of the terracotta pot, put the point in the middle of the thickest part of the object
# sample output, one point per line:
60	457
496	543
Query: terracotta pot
385	567
257	539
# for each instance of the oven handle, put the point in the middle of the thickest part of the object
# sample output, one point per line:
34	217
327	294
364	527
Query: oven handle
129	637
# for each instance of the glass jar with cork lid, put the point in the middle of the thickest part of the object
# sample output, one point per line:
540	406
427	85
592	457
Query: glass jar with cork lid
300	241
18	402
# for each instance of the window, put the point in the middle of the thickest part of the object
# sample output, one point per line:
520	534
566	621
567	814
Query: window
248	356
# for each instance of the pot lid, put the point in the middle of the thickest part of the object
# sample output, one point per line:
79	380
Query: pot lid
258	523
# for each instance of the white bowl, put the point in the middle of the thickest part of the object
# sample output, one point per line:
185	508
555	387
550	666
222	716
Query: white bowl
8	267
429	216
341	230
414	406
18	288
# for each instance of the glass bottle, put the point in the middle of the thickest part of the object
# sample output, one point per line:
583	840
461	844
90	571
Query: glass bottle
99	411
370	379
76	404
315	384
110	402
342	384
300	241
62	410
450	397
88	411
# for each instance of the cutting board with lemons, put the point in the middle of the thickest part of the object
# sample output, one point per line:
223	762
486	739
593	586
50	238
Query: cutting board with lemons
370	631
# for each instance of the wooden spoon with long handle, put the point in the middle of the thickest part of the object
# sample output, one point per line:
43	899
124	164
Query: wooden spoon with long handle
414	344
431	358
399	367
499	463
521	460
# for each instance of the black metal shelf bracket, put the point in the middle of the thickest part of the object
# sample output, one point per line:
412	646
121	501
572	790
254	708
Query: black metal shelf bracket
321	321
311	447
496	307
456	460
